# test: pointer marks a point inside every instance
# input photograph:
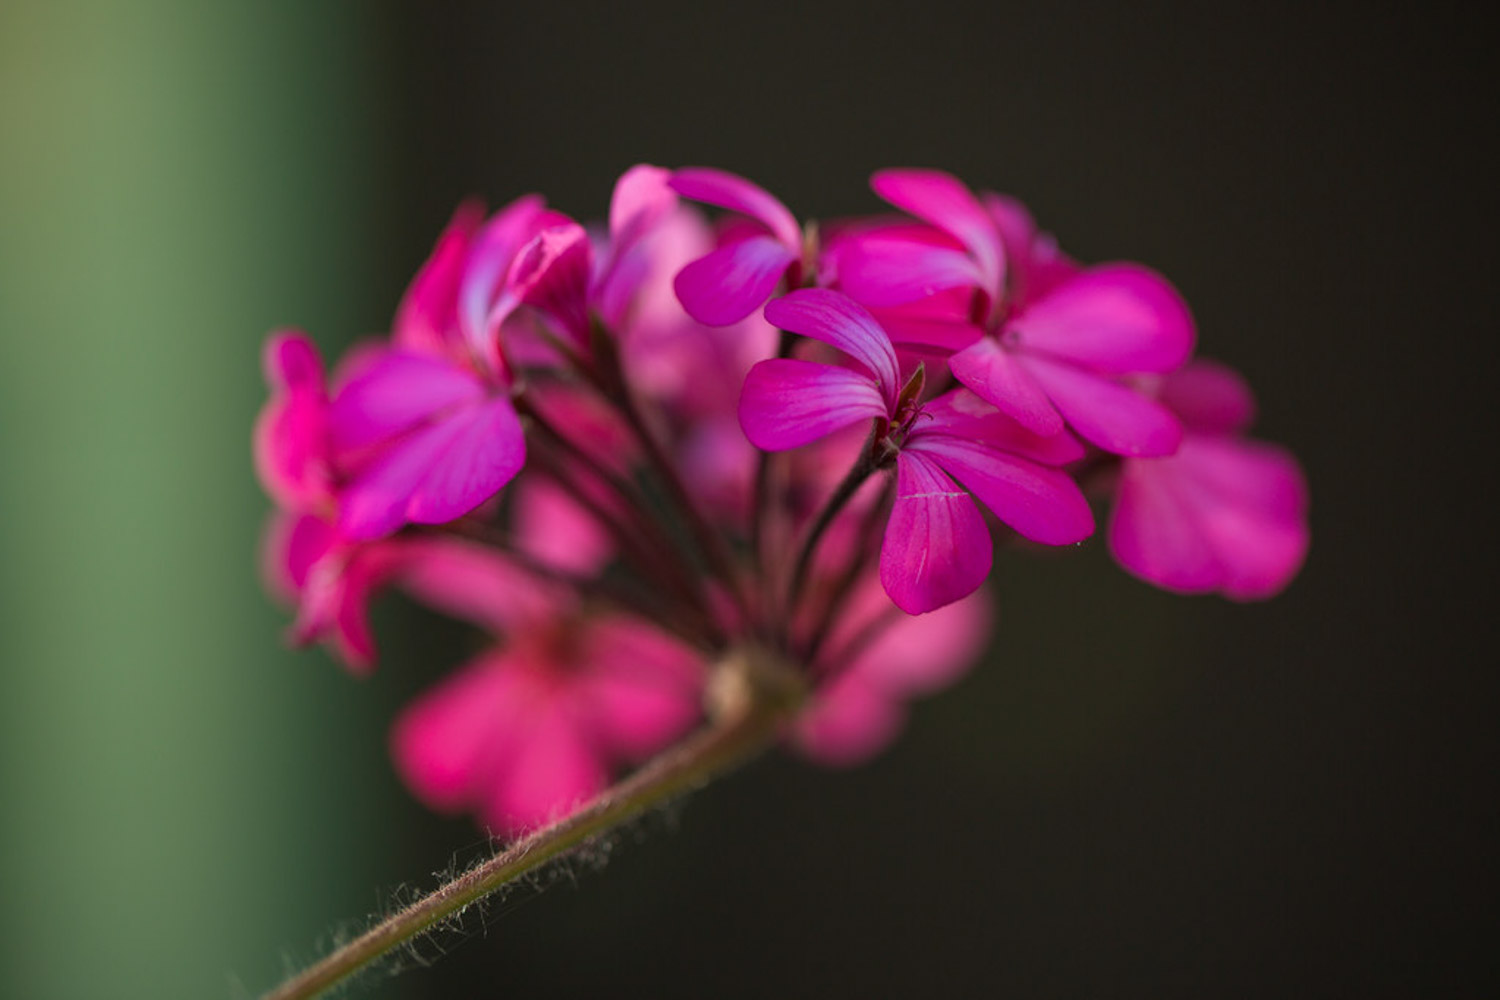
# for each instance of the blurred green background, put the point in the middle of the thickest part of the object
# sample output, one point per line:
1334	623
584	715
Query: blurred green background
1137	795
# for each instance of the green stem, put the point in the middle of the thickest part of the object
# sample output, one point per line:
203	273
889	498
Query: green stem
746	725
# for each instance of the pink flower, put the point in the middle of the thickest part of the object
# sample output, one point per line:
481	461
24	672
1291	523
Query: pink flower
537	724
427	428
1225	513
306	560
1055	355
860	710
730	283
937	548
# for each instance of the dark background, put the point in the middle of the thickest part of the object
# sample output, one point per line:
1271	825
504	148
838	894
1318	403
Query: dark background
1137	794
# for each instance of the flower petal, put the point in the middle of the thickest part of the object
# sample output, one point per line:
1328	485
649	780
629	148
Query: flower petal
448	742
880	270
1116	318
394	393
944	201
787	403
290	441
962	414
1043	504
551	273
916	331
726	190
848	722
438	474
485	452
729	284
427	319
1111	415
937	548
993	374
642	196
643	688
1221	514
489	259
929	652
476	583
1209	397
839	321
555	768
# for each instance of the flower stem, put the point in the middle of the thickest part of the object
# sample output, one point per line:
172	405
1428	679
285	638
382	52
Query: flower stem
744	728
845	491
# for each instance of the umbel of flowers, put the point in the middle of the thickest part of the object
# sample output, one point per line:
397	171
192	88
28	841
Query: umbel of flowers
623	451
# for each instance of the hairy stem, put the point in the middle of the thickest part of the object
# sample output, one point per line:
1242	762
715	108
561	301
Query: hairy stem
746	724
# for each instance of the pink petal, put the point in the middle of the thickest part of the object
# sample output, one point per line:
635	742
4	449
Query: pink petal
787	403
1153	534
551	273
848	722
1043	504
944	201
883	271
1034	264
839	321
1221	514
289	545
731	283
1209	397
994	375
484	453
438	474
335	599
427	318
290	440
476	583
641	198
643	688
557	530
395	393
961	413
716	187
1116	318
488	262
555	768
448	742
936	548
1261	475
925	653
1113	416
930	335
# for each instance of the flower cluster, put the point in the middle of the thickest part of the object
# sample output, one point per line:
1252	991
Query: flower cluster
622	450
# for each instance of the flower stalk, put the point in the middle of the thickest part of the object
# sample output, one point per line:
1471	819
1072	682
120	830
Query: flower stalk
751	700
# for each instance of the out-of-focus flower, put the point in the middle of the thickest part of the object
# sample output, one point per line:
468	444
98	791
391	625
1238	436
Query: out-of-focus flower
1225	513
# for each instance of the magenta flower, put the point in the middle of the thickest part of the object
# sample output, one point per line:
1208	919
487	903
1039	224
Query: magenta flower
937	548
427	427
538	723
730	283
1224	513
1055	356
